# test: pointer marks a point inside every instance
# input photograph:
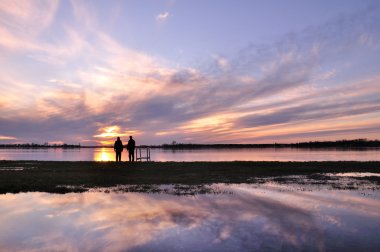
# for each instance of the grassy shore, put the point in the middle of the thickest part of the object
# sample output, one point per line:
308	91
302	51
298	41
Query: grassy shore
49	176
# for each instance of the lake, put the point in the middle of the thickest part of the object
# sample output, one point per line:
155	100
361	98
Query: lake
243	154
244	217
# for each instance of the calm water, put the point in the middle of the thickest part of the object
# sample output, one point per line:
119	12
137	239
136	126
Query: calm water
266	154
268	217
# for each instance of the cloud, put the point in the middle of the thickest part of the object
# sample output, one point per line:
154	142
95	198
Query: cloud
22	21
162	16
109	133
7	138
83	80
27	16
313	111
221	62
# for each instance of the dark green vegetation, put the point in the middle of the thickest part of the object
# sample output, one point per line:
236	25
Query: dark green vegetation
53	176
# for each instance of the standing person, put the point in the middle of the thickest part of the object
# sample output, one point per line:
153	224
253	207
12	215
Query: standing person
118	148
131	149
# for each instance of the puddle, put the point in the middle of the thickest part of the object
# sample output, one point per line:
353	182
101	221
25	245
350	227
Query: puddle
248	217
14	168
355	174
4	168
312	182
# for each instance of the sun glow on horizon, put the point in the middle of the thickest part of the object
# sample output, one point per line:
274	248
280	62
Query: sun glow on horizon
114	131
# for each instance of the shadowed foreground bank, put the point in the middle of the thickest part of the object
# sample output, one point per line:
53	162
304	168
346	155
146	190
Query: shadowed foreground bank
61	177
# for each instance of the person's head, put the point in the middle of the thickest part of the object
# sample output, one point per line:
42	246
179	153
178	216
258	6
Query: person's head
130	137
118	138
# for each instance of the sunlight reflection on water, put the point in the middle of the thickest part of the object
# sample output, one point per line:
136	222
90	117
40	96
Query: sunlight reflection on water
104	154
243	154
251	217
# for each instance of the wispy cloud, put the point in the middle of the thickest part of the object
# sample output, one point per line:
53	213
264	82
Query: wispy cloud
221	62
22	21
162	16
7	138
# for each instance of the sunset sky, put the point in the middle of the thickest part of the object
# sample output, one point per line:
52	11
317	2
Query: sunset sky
196	71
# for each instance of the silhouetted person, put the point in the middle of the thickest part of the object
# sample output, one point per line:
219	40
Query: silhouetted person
131	149
118	148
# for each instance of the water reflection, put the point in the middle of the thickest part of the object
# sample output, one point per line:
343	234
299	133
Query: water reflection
355	174
266	154
104	154
269	217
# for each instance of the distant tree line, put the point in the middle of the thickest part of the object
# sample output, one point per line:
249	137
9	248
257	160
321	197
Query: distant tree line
45	145
355	143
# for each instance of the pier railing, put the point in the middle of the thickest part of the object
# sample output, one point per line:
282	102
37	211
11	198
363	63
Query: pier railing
142	153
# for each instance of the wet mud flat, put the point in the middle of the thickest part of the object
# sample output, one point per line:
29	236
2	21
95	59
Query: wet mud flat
187	177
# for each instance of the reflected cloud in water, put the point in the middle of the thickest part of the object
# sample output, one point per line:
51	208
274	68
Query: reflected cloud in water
268	217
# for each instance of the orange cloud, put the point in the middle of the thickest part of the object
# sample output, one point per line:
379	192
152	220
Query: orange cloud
7	138
108	134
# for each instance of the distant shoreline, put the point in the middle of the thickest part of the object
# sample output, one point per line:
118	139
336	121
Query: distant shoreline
341	144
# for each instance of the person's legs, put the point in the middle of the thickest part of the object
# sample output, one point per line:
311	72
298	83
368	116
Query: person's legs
131	155
118	156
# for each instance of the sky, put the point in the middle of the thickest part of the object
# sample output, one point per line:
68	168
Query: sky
200	71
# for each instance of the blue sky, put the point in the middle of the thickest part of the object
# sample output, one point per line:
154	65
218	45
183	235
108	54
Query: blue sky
190	71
